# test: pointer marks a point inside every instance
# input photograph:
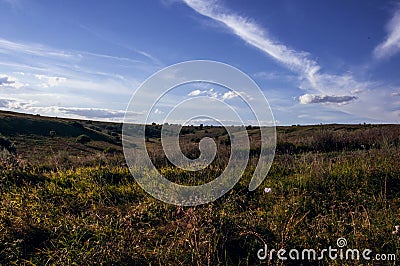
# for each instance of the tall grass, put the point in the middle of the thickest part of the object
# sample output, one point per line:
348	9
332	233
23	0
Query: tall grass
65	210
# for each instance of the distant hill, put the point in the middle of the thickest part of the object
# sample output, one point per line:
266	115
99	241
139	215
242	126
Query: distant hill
35	135
12	124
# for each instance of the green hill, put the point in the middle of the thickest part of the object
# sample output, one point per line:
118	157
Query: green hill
35	136
12	124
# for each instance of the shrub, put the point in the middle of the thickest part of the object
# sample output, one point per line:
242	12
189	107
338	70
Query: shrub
110	150
83	139
77	125
7	145
325	141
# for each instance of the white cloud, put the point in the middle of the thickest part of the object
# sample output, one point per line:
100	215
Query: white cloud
196	93
6	81
221	96
158	112
397	93
340	90
391	45
50	81
233	94
311	98
210	93
15	104
213	94
229	95
5	103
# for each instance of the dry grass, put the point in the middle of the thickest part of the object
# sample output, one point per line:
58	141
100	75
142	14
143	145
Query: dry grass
71	209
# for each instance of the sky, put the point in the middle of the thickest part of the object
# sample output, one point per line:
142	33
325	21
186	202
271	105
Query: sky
333	61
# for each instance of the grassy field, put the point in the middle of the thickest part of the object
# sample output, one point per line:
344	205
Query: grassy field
66	201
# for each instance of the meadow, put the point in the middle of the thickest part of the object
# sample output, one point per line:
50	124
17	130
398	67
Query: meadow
70	200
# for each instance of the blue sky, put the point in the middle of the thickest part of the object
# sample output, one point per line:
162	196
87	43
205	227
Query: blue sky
315	61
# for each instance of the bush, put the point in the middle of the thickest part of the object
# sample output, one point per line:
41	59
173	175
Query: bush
77	125
195	140
83	139
7	145
110	150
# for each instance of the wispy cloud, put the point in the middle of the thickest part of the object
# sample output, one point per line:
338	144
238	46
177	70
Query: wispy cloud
274	75
343	91
76	112
98	113
49	81
48	55
300	62
256	36
105	36
52	76
7	46
391	45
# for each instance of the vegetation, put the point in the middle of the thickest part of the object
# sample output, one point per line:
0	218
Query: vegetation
65	203
83	139
6	144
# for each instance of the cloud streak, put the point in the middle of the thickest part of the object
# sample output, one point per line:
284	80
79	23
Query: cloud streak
310	98
7	46
77	112
297	61
254	35
391	45
99	113
52	77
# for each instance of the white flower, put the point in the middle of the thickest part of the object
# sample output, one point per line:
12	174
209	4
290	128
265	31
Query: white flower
267	190
397	231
